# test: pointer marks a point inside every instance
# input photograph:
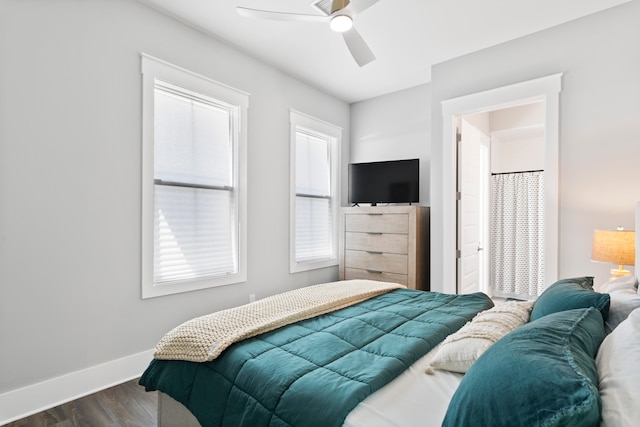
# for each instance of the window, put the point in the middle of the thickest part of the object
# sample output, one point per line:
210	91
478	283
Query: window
194	197
314	193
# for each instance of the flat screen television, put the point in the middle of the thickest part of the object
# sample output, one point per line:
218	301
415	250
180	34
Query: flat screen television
396	181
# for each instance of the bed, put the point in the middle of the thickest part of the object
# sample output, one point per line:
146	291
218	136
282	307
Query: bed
397	357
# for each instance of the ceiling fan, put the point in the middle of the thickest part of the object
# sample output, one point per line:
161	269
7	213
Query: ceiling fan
338	13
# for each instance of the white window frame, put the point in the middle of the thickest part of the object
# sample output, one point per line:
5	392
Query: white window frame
154	69
308	124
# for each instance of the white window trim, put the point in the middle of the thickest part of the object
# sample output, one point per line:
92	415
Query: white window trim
314	126
152	69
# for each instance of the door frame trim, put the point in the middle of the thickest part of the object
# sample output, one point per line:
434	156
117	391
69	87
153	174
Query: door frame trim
545	89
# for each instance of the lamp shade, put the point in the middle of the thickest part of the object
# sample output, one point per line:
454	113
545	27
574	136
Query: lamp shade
614	246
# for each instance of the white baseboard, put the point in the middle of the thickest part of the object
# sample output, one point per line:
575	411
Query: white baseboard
20	403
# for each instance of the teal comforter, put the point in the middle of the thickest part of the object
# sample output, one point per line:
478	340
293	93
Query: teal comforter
314	372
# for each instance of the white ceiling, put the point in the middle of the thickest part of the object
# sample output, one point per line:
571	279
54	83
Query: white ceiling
407	36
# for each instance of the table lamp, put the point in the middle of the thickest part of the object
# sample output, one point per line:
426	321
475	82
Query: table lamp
616	247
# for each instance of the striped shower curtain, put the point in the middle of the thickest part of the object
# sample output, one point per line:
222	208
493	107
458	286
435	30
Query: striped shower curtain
517	234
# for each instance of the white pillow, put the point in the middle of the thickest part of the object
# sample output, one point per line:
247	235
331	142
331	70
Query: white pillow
619	374
461	349
625	282
625	297
622	302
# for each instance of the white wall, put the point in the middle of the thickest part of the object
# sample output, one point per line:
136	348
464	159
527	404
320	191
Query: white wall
517	155
481	121
70	164
520	116
393	127
599	133
517	138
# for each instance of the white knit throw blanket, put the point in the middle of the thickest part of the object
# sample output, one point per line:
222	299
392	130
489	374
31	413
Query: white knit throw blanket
205	338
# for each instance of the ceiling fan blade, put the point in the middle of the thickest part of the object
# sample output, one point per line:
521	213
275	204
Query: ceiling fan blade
358	47
280	16
361	5
338	5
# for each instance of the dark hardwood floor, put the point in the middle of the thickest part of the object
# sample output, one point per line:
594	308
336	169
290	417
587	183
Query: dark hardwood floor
125	405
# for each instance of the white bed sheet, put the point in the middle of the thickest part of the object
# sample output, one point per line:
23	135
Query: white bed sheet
413	399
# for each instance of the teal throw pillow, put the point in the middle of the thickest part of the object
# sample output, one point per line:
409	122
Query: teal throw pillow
541	374
568	294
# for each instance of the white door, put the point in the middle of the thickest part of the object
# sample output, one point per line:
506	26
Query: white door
470	208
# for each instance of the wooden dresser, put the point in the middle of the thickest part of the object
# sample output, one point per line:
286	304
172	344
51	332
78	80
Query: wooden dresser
389	244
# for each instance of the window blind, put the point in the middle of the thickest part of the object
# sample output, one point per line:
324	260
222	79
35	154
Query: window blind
313	210
195	209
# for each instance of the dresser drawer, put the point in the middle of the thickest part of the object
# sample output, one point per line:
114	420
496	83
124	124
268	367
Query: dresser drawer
384	262
377	242
377	223
356	273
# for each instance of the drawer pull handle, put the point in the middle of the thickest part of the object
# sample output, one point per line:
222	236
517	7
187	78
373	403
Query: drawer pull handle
374	252
374	233
377	214
374	271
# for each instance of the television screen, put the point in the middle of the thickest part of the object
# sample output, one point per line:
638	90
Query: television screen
396	181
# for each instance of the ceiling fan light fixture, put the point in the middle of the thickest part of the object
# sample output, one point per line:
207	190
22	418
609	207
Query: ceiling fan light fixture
341	23
337	5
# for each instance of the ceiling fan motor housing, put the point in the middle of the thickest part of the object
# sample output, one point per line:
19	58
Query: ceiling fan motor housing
337	5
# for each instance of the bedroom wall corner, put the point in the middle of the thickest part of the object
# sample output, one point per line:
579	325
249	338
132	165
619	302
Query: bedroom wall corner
393	127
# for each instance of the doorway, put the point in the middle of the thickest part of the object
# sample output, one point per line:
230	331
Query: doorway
544	89
500	213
